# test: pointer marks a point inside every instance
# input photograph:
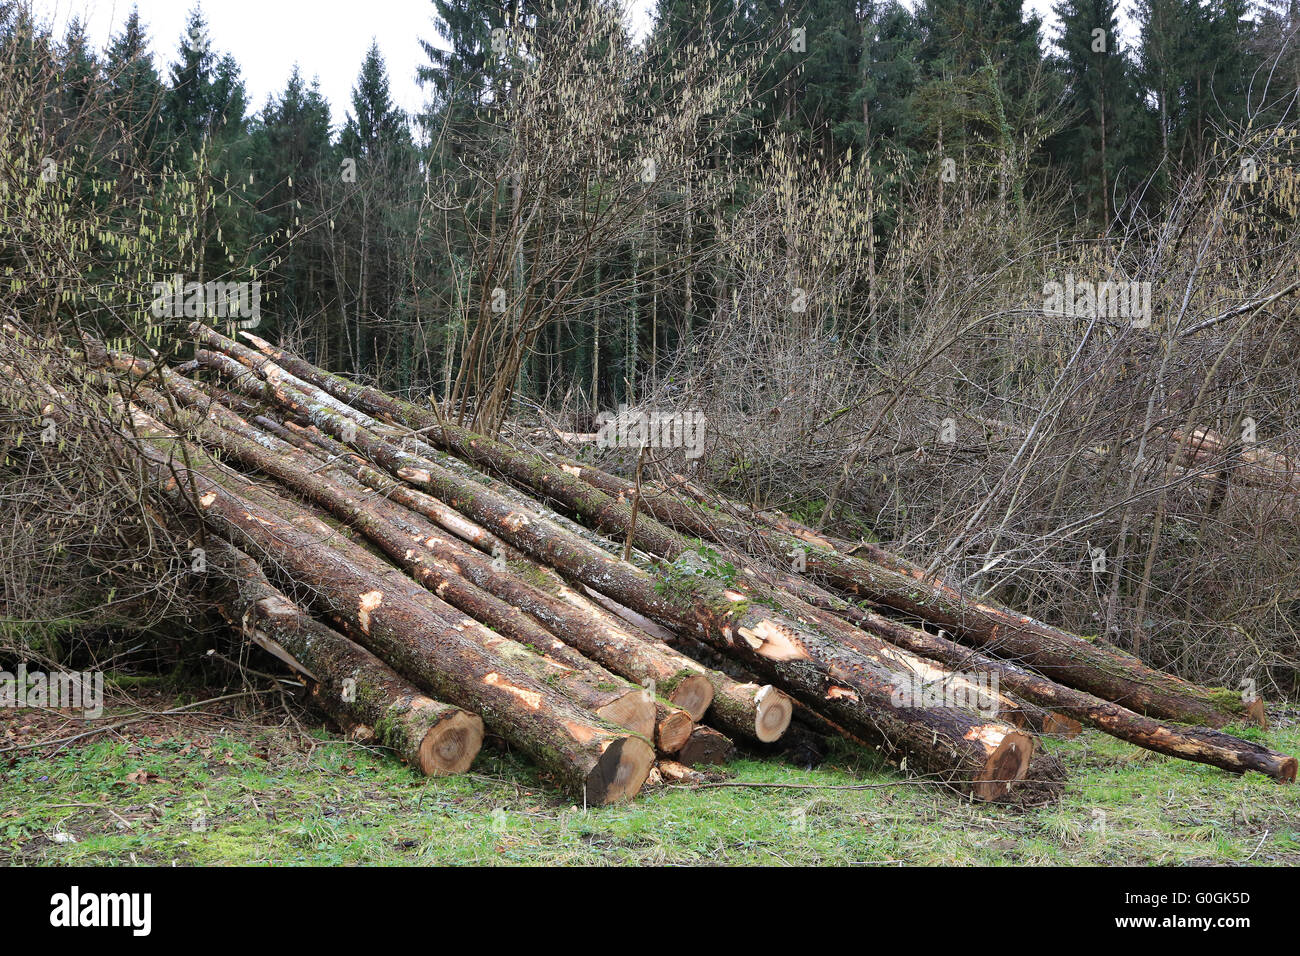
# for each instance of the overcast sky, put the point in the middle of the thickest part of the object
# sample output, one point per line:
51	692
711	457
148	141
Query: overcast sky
326	38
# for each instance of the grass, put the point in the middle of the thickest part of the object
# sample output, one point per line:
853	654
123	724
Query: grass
216	791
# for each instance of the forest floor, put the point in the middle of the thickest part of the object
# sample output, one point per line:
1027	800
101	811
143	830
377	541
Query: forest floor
212	785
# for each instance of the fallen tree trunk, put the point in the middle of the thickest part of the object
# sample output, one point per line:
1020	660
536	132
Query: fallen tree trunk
1098	669
1247	462
590	686
590	758
983	757
530	587
1197	744
748	710
1000	630
349	683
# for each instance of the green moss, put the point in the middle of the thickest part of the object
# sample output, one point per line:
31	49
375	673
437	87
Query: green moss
534	575
1227	701
337	803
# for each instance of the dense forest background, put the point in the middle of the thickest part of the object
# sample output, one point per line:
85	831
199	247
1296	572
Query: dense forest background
828	226
358	256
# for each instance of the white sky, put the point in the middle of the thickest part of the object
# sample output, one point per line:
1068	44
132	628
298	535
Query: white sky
326	38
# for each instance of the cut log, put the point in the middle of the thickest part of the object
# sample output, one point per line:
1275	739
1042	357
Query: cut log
886	579
587	684
592	759
897	583
1250	464
469	582
983	757
672	729
706	746
546	597
348	682
1067	705
760	712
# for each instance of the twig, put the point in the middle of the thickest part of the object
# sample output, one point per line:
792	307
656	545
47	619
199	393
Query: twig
130	720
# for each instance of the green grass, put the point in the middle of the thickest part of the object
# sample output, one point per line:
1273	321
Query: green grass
259	796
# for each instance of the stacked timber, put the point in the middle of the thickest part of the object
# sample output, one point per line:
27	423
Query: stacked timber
447	584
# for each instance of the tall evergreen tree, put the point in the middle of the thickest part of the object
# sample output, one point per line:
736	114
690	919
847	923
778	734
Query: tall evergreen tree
135	89
466	73
373	120
78	65
1100	100
189	102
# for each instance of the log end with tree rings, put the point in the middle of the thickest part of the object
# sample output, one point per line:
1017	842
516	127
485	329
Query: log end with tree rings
451	745
693	694
634	711
773	711
1008	763
1286	773
673	730
620	772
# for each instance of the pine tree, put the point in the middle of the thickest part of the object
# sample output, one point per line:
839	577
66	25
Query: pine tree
135	90
1276	46
296	156
189	102
373	120
887	77
465	76
984	90
1100	101
78	65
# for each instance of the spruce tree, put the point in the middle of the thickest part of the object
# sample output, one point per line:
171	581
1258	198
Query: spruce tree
1100	103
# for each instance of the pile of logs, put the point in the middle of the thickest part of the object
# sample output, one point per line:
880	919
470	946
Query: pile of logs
432	585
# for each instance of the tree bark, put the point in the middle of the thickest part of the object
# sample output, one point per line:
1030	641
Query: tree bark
886	579
706	746
1198	744
590	758
983	757
350	684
